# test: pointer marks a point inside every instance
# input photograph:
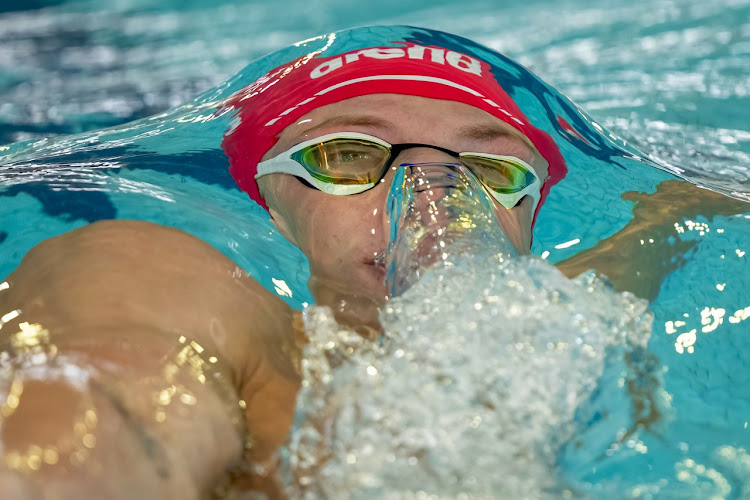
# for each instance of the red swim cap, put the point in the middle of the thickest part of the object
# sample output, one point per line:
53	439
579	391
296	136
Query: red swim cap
285	94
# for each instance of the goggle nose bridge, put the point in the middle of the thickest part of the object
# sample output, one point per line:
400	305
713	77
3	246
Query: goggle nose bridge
397	149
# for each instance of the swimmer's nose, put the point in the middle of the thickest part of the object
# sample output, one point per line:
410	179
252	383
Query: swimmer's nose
437	191
416	155
430	183
437	209
441	173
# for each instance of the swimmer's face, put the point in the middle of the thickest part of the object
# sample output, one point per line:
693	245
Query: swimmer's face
343	235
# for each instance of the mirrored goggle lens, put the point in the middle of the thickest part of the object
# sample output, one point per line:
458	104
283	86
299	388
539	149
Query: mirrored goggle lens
344	161
503	175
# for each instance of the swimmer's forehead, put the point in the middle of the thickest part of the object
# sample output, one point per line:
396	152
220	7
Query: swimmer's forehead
401	118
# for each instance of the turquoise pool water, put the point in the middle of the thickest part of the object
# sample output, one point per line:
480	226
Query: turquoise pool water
667	77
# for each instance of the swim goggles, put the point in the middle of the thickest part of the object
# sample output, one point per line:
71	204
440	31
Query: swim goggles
347	163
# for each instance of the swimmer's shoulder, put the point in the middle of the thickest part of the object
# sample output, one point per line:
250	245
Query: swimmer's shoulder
117	272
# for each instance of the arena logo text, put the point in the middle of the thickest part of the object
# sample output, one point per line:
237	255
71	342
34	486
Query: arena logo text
435	55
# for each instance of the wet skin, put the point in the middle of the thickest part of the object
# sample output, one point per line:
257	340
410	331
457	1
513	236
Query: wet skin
343	236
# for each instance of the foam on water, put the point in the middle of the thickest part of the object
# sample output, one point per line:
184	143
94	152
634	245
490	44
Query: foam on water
472	390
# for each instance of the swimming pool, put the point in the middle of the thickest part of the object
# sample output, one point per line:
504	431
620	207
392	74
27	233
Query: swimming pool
648	91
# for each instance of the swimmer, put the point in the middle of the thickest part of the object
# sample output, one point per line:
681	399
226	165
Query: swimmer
162	367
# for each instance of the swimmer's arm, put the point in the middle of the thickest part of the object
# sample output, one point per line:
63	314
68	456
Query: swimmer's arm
648	248
123	302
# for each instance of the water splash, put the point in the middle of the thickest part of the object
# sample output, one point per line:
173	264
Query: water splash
471	392
437	211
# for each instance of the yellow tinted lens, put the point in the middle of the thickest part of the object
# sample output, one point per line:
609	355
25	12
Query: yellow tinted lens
344	161
499	174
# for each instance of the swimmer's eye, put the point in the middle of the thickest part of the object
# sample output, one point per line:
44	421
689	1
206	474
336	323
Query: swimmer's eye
501	174
344	161
337	159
